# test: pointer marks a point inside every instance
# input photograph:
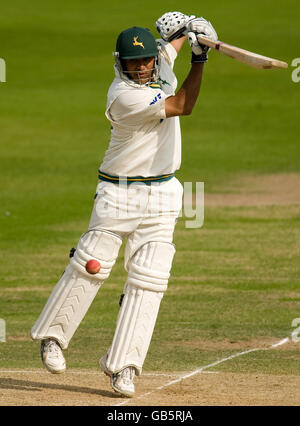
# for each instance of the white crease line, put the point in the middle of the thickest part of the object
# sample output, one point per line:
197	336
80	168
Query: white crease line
282	342
200	370
170	375
186	376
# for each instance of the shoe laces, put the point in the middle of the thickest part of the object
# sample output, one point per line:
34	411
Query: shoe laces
127	375
52	347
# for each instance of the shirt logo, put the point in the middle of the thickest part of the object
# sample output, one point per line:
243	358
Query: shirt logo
163	81
137	43
155	99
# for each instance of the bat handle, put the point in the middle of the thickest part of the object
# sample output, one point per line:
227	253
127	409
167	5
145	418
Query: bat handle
210	43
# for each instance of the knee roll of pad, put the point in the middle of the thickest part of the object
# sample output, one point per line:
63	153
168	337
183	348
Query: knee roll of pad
100	245
150	266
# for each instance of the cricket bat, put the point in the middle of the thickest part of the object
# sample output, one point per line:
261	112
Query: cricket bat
249	58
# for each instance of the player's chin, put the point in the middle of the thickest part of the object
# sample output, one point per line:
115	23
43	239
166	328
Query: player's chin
142	78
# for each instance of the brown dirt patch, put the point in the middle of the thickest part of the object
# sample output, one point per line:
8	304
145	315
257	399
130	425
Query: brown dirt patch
87	388
18	338
25	288
226	344
262	190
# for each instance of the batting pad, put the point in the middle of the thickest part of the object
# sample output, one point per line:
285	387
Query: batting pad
76	289
148	275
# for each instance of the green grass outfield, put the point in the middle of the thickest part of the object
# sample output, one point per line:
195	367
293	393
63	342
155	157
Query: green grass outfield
234	280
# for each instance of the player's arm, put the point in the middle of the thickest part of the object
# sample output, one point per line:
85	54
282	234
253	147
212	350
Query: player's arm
178	43
172	26
185	99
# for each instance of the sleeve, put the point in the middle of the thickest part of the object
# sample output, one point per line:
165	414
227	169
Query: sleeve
168	52
132	108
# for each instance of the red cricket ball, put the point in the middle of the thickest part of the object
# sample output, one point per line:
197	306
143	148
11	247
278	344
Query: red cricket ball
92	266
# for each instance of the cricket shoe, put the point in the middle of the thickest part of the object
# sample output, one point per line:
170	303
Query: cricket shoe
121	382
52	356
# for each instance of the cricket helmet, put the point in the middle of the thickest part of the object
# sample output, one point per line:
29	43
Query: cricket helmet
136	42
133	43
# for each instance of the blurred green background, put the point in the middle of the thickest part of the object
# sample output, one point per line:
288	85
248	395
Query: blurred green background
53	134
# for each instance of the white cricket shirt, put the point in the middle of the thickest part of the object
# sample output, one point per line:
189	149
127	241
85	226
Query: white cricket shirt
143	141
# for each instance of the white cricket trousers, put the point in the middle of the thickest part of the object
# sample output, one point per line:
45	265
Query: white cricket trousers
138	212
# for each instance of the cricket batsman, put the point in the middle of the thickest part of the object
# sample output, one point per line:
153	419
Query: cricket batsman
138	199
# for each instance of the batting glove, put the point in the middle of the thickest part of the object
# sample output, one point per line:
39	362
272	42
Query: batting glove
203	27
172	25
199	55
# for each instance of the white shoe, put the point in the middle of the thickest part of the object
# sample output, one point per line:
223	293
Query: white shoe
121	382
52	356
